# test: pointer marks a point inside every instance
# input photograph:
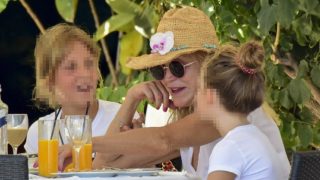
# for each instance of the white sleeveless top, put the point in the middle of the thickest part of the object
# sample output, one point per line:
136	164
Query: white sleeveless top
258	118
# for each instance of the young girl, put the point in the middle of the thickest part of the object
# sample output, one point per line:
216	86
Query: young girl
232	86
66	79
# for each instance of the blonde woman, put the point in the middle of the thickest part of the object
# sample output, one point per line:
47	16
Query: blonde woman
66	79
184	37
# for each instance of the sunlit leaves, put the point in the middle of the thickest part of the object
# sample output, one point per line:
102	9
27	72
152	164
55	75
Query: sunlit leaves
3	4
128	15
145	22
67	9
124	6
130	45
112	94
207	8
113	24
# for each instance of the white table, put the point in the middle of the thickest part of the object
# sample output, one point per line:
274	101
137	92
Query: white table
162	175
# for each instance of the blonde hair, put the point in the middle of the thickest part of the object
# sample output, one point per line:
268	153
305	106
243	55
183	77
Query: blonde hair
236	74
51	48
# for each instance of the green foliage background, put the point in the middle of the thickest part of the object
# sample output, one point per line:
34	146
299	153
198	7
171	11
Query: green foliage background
289	30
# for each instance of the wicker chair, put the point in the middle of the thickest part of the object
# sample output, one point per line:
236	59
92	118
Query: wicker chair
305	166
13	167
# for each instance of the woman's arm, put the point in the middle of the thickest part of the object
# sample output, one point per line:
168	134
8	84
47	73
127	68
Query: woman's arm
135	161
217	175
189	131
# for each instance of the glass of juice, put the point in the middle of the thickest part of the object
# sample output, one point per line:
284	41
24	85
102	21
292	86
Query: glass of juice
77	129
48	144
17	129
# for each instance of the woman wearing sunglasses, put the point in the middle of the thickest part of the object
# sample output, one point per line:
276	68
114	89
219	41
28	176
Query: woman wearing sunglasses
184	37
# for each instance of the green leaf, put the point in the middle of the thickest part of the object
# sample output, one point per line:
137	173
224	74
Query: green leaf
314	38
130	45
316	133
207	8
302	27
303	69
141	106
316	136
227	17
124	6
266	16
305	134
3	4
315	75
67	9
286	11
118	94
316	11
299	91
145	22
306	115
308	5
104	92
114	23
285	100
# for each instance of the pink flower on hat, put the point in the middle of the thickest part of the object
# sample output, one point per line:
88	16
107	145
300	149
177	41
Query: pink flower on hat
161	42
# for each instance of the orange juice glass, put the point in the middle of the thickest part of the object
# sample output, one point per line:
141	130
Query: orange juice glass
85	161
48	145
78	131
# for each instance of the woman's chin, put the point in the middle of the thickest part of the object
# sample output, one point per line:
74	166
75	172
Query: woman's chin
181	103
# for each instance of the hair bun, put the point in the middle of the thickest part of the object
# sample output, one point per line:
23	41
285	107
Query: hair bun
251	55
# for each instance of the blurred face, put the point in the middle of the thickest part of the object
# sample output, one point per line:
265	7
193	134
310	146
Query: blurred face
76	77
207	100
205	103
183	89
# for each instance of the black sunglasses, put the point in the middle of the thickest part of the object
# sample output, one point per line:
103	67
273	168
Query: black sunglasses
176	68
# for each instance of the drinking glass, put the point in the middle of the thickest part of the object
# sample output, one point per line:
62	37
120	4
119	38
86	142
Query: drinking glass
48	144
17	129
77	129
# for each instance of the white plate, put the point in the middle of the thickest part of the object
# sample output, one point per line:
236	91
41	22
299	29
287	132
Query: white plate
109	173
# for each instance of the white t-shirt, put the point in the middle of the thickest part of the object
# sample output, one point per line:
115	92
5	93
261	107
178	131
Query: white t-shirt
106	113
258	118
246	152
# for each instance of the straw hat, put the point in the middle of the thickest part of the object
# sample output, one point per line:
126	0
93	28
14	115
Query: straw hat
181	31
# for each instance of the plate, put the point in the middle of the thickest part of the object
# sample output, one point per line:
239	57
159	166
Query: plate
109	173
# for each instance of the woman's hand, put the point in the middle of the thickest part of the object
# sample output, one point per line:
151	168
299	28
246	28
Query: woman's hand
65	156
153	91
136	123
